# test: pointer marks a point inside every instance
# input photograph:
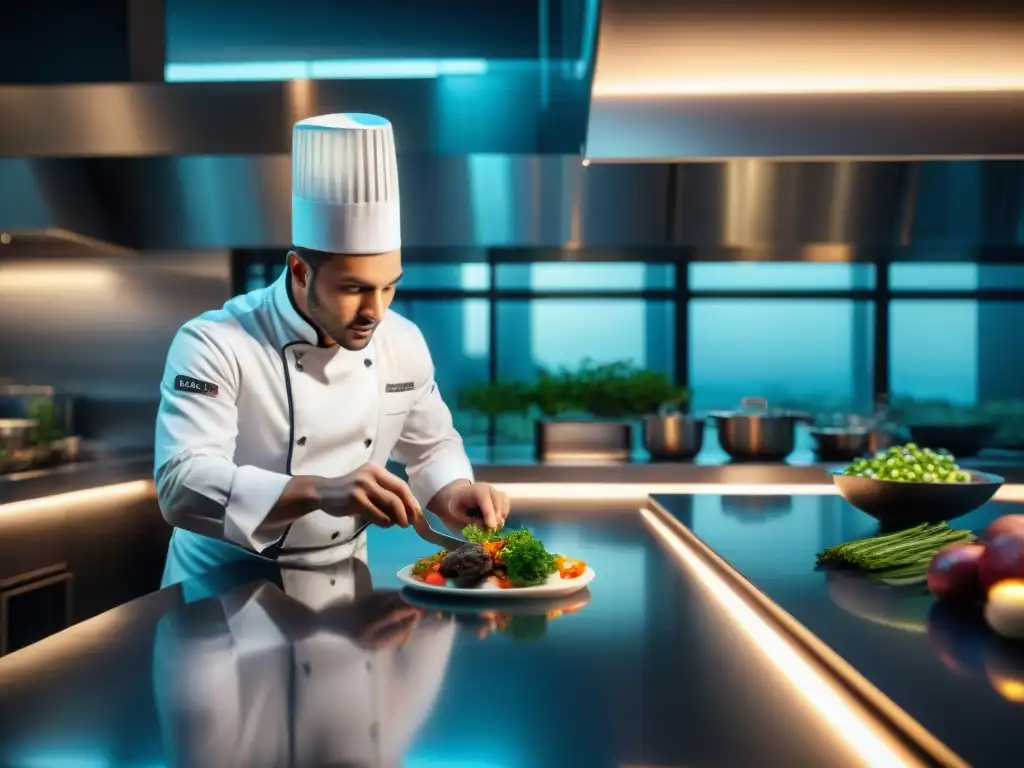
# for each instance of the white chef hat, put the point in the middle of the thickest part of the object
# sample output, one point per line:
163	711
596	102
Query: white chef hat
345	185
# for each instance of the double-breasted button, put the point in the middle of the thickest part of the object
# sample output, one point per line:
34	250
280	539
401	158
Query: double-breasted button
301	440
367	442
335	535
367	362
298	361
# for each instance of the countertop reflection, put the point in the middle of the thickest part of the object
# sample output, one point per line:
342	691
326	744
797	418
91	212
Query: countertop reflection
943	667
259	665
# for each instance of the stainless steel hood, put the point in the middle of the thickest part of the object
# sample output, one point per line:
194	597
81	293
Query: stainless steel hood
458	207
449	202
703	80
489	164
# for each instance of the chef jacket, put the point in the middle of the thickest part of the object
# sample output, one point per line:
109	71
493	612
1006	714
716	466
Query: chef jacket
251	678
250	397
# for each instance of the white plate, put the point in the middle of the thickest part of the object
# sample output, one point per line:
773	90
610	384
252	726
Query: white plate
555	587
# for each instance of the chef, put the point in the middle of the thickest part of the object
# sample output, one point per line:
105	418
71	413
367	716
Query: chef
299	667
279	411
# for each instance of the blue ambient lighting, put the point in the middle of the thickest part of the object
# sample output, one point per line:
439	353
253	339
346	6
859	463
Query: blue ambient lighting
340	69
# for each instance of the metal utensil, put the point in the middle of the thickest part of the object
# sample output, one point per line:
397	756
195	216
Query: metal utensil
427	533
359	529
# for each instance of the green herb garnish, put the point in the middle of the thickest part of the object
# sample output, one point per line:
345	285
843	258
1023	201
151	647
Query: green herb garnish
526	561
477	534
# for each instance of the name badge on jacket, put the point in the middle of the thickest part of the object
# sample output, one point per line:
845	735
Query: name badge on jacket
405	386
188	384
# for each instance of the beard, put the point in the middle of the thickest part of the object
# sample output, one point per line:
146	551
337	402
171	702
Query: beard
354	337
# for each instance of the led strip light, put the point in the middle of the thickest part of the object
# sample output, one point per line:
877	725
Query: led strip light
106	493
638	492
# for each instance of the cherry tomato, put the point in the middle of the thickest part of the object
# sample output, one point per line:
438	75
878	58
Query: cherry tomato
434	578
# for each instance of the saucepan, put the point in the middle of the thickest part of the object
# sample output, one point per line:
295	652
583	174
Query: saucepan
673	436
842	437
757	433
16	434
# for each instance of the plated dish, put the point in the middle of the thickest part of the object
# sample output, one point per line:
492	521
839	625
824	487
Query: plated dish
497	565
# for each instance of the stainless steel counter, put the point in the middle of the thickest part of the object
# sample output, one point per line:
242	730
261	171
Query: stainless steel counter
517	469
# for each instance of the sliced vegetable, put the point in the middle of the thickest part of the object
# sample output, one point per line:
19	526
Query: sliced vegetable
953	572
569	569
494	548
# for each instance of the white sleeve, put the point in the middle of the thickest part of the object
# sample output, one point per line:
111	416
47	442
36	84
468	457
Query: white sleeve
198	484
429	446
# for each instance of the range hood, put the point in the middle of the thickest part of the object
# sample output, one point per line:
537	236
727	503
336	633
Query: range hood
703	80
457	208
493	162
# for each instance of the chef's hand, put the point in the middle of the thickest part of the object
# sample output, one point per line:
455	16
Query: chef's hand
469	503
371	492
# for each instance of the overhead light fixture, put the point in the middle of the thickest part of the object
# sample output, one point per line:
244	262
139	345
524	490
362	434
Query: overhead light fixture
326	69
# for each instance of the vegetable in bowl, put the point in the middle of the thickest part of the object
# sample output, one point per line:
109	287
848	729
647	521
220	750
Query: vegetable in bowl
910	464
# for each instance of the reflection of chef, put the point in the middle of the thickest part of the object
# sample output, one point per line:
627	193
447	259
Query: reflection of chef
316	669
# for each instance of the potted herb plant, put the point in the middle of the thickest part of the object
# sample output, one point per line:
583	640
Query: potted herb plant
495	400
589	414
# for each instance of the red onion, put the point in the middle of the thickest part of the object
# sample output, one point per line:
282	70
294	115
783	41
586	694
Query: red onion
1003	559
953	572
1004	524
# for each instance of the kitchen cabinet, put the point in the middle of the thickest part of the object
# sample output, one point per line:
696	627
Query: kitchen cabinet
115	554
33	606
32	536
64	559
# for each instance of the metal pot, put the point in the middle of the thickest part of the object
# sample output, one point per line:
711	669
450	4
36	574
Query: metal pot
15	434
68	448
755	433
673	436
841	444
